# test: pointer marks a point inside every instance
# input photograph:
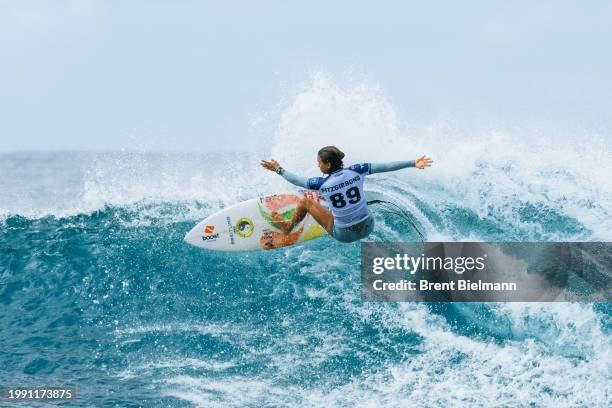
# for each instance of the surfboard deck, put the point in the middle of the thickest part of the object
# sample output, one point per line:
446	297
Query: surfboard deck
248	226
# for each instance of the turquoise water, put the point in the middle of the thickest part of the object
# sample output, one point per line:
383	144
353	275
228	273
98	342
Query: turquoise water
98	291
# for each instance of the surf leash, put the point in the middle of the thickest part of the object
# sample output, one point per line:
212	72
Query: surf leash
400	212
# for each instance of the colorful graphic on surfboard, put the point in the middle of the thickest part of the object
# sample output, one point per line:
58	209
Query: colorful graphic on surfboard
248	226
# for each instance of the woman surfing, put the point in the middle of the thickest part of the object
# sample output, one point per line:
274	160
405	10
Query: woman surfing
348	218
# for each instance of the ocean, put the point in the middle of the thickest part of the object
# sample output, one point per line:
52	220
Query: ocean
99	292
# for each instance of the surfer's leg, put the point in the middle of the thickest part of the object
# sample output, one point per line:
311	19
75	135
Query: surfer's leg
307	205
321	214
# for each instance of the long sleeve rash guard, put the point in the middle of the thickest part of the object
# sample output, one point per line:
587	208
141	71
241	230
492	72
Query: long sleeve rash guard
374	168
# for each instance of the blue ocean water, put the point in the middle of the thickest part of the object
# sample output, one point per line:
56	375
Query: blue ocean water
98	291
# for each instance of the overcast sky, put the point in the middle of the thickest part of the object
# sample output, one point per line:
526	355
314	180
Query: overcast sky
191	75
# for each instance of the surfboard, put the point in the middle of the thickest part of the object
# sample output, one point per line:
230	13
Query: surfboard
248	226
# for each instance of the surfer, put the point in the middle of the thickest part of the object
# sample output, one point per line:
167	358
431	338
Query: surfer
348	218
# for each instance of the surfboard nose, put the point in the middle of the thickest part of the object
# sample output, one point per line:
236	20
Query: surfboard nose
193	236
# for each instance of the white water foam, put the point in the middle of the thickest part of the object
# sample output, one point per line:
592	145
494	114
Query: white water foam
494	173
454	370
450	370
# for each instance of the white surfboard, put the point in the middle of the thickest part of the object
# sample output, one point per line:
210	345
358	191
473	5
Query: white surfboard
248	226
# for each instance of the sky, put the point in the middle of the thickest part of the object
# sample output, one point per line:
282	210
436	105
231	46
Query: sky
192	75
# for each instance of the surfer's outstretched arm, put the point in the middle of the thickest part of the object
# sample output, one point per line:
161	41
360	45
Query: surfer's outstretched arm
293	178
390	166
420	163
287	175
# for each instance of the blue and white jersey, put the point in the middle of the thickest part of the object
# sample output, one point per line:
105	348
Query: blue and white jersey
343	189
343	192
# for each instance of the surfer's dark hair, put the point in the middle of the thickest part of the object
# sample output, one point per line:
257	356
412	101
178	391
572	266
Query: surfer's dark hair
333	156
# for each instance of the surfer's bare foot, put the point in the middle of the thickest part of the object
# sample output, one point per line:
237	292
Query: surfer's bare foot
281	223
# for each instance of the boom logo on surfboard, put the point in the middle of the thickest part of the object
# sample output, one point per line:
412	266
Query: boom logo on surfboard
209	229
210	237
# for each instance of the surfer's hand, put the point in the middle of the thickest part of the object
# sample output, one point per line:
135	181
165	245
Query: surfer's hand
423	162
271	165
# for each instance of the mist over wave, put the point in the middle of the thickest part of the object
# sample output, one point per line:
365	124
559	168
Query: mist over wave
99	290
